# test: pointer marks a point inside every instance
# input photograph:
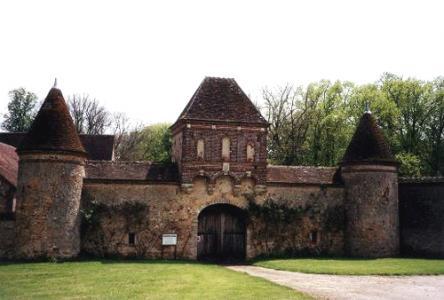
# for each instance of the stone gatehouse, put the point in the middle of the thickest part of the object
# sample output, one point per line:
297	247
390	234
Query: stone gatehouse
63	195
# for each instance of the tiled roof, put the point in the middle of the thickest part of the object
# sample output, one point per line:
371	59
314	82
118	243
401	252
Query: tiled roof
8	163
221	99
368	144
53	128
131	171
98	147
303	175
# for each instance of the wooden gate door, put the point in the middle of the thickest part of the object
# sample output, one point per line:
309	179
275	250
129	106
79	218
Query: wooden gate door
221	233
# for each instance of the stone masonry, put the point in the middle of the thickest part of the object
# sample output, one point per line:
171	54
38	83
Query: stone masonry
69	205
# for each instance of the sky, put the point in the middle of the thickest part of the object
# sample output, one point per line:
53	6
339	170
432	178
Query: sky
146	58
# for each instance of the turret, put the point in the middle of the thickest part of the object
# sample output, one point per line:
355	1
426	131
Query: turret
51	171
370	175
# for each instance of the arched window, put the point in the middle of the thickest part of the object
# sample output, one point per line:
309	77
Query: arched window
200	149
250	152
225	148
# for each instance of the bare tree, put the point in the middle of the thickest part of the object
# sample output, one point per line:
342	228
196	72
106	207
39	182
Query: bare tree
88	115
289	111
127	139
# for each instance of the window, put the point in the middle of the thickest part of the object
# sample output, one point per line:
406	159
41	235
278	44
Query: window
200	149
132	238
14	204
225	148
250	153
313	236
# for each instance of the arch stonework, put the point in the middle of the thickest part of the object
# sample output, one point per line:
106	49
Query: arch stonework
227	241
218	195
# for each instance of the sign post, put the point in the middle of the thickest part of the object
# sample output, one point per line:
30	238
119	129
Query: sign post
169	239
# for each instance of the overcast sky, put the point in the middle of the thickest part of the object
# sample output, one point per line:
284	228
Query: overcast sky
147	58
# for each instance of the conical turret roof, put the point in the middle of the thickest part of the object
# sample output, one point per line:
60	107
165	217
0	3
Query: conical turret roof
53	129
368	144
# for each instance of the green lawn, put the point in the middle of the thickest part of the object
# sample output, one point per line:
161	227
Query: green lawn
134	279
347	266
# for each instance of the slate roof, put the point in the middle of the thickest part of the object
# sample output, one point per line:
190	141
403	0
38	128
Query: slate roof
368	144
303	175
131	171
221	99
8	163
53	128
98	147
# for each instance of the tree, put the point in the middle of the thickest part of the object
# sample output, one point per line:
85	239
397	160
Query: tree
434	129
21	110
412	99
88	115
126	140
410	164
155	143
289	112
308	125
330	130
152	143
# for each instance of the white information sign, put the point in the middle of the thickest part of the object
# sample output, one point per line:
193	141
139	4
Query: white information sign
169	239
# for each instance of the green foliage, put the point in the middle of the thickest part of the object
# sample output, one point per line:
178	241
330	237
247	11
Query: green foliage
410	164
313	125
155	143
135	214
21	110
273	212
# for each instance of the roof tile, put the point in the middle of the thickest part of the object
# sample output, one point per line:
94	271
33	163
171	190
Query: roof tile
368	144
53	128
221	99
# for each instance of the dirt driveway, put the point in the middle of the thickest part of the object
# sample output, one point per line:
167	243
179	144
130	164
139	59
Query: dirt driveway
353	287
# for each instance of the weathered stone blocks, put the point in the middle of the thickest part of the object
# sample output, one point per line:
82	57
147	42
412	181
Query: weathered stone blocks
372	227
48	201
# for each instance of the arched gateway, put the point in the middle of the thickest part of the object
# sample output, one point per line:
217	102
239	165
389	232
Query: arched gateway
221	233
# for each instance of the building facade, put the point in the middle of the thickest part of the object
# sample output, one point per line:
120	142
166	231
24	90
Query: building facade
219	199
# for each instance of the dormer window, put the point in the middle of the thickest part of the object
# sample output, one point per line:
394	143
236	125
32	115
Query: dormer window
200	149
226	148
250	153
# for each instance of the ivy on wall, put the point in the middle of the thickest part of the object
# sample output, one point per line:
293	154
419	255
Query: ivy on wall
105	228
279	228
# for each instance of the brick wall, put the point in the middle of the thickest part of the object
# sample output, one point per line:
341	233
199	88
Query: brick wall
191	165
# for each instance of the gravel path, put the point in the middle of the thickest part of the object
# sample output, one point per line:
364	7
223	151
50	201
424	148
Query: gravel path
353	287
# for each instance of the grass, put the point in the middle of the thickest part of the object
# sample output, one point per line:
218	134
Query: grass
348	266
134	280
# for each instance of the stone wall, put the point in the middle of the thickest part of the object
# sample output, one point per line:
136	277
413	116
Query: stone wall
7	238
7	219
372	228
48	201
166	208
7	192
421	205
314	225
